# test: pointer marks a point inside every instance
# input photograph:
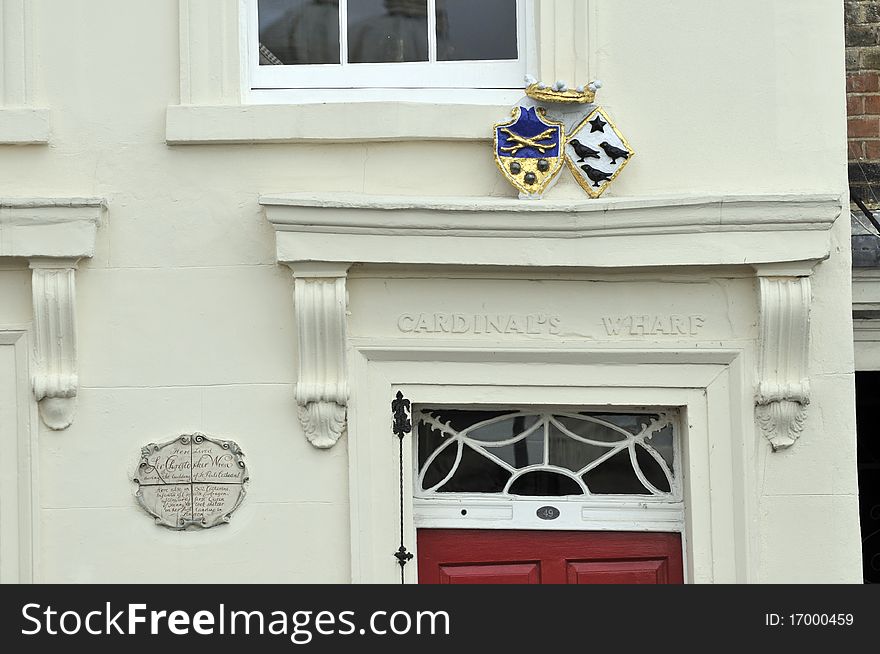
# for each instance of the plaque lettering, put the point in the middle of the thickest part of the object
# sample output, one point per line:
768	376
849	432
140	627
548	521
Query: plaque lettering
192	481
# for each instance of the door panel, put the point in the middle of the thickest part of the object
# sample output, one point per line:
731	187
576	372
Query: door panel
648	571
491	573
456	556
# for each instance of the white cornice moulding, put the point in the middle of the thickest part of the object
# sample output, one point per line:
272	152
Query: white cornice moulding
319	303
54	234
25	126
783	385
605	233
49	227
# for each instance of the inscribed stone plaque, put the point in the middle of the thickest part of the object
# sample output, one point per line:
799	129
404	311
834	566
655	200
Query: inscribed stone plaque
191	481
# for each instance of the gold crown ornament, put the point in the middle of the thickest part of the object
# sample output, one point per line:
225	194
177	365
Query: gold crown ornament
560	92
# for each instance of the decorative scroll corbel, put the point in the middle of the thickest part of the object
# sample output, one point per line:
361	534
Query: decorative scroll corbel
783	387
319	302
55	380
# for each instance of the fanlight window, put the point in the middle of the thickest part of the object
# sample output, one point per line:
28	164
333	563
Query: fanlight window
527	453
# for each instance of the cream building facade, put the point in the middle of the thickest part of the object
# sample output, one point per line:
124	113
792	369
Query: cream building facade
182	253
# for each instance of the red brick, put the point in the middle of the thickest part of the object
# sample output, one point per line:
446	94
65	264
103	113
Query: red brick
872	150
863	127
863	83
872	104
869	58
856	151
855	105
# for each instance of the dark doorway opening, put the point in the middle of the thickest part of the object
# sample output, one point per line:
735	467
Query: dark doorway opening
867	411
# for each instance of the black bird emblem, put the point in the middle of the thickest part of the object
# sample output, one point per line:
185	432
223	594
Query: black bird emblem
613	153
595	174
583	151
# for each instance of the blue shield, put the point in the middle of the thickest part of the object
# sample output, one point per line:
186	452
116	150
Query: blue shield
528	150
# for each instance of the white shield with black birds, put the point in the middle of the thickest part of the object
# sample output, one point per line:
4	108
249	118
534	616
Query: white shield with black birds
528	150
596	152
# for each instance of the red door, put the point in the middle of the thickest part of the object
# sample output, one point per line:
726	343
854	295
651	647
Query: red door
470	556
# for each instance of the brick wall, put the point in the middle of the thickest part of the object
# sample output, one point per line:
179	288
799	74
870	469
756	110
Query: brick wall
863	98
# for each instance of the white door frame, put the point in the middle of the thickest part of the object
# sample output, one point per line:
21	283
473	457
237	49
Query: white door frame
707	384
18	421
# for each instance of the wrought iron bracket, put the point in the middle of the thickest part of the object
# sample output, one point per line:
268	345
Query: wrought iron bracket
403	556
401	412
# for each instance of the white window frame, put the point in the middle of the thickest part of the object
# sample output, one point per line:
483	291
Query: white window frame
218	106
395	81
22	120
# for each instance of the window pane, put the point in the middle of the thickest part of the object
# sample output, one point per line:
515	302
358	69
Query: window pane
387	30
615	476
429	440
461	419
634	423
652	470
442	464
475	474
528	451
299	32
545	483
594	431
468	30
503	429
573	455
661	441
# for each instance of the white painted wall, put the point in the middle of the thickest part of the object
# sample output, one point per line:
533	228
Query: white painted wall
185	319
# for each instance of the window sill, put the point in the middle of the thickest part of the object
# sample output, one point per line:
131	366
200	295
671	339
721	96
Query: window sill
25	126
331	122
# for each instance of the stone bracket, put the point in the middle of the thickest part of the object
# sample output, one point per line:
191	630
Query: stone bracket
55	379
783	386
53	234
319	303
